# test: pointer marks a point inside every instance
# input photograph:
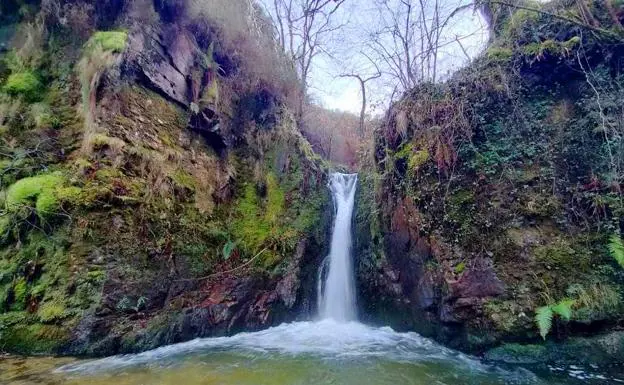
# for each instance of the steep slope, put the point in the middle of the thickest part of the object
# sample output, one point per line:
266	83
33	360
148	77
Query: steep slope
495	194
155	186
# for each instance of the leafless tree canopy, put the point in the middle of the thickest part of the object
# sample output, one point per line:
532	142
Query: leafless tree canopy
411	35
303	27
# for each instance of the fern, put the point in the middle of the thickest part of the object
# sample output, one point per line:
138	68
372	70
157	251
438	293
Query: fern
616	247
564	308
228	248
543	318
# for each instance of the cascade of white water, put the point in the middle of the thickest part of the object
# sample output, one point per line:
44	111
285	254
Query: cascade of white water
337	291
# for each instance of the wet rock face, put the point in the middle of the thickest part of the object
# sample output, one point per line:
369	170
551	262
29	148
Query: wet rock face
411	284
168	59
164	58
478	281
222	305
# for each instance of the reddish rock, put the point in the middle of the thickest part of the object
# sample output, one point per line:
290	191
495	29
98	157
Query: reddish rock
479	280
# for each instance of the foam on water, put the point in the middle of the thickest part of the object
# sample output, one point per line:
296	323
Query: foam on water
325	339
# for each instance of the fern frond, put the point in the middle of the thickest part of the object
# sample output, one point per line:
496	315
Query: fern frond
228	248
616	247
543	318
564	308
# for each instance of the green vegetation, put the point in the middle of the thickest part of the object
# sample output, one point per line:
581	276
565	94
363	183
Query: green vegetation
51	311
25	84
545	314
616	247
113	41
499	54
109	199
40	190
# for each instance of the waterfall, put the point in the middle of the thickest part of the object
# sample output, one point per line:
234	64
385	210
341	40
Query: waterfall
336	287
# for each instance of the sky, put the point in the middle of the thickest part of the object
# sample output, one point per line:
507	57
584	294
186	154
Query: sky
358	18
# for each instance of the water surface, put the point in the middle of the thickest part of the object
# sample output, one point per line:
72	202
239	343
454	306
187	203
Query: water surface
305	353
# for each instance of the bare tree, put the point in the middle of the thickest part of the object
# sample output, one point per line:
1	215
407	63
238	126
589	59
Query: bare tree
363	79
410	36
302	29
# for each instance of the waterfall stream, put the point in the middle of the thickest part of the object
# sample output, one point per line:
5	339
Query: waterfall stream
337	292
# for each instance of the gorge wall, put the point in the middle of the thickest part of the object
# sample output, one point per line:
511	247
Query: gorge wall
156	187
496	193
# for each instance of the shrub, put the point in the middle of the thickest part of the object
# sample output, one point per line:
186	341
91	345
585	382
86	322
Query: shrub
25	84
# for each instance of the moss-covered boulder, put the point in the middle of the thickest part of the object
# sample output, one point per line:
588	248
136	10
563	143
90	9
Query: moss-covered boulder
600	350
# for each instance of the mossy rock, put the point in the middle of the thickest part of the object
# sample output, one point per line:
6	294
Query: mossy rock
33	339
519	354
499	54
606	349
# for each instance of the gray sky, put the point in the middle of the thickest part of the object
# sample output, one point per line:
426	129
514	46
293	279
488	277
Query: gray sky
360	17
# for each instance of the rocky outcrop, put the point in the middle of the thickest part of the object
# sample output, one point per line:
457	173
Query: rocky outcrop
190	207
168	59
486	188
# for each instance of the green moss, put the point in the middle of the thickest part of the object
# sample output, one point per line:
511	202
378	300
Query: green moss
47	204
114	41
561	254
20	292
415	158
248	227
499	54
572	42
183	179
210	96
275	200
6	224
521	18
25	84
33	339
40	190
51	311
538	50
418	159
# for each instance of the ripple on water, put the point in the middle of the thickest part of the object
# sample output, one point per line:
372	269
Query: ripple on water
323	350
304	353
